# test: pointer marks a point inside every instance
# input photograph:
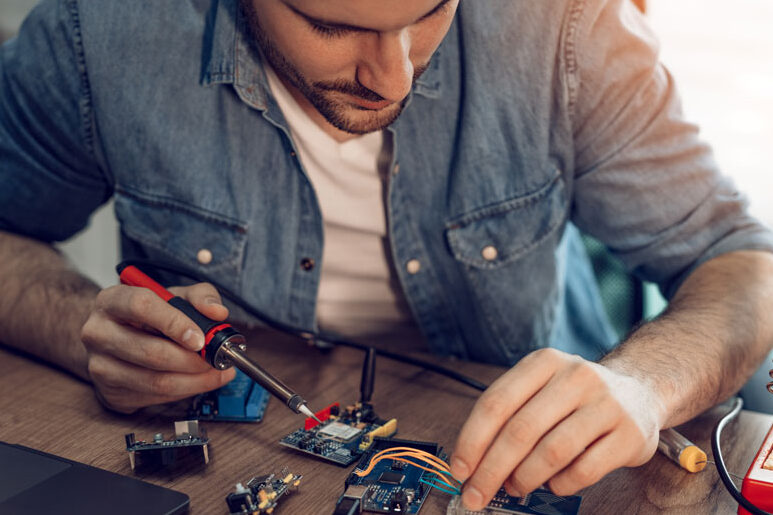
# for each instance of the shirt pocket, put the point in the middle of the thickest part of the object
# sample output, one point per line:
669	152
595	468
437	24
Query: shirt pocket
507	253
172	232
502	233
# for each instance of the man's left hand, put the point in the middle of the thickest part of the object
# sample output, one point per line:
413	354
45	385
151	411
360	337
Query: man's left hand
554	418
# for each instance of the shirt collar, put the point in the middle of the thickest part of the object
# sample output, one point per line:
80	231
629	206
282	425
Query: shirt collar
230	58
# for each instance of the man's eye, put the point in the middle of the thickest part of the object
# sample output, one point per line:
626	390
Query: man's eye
328	32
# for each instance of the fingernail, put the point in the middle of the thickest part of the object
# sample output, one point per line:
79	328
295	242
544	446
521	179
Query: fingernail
211	300
193	340
472	499
511	490
459	469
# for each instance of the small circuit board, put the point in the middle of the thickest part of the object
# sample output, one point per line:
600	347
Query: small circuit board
189	445
343	435
262	493
241	400
539	502
392	486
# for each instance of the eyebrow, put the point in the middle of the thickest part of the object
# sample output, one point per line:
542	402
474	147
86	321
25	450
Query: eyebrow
354	28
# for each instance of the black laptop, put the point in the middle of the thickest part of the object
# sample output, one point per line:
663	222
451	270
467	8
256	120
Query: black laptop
34	482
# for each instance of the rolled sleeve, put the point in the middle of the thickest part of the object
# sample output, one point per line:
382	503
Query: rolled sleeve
644	183
50	176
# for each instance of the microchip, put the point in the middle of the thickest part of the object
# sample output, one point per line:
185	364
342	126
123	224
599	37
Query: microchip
339	431
398	465
391	478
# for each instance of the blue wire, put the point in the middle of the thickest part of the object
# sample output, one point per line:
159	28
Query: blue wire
449	475
438	480
456	492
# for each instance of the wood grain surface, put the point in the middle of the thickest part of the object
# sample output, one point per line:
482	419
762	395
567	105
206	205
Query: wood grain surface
44	408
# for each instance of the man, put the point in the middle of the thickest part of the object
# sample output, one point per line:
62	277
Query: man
442	147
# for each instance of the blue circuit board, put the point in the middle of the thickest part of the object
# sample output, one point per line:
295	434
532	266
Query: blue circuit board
338	438
539	502
241	400
394	486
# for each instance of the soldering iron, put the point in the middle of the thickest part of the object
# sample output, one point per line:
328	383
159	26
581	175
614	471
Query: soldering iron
224	346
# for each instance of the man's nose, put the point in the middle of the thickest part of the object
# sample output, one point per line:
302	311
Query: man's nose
386	66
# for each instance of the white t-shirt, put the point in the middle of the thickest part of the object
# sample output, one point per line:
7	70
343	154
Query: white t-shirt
359	292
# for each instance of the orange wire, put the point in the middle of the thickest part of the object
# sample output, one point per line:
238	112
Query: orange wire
373	463
409	452
437	461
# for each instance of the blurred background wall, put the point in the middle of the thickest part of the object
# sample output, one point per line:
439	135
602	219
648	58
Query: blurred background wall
95	250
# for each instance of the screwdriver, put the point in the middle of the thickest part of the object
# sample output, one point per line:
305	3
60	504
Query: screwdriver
224	346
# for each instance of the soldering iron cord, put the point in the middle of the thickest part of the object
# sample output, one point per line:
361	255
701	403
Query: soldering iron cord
720	462
318	336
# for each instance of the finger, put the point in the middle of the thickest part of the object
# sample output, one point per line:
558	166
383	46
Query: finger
125	386
556	450
205	298
104	335
497	404
142	307
604	456
552	404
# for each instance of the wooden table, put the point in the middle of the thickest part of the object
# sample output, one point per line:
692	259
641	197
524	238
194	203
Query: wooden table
49	410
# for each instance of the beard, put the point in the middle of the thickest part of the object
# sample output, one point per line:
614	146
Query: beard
325	96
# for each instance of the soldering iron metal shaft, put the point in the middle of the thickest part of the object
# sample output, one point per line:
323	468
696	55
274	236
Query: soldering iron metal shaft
274	386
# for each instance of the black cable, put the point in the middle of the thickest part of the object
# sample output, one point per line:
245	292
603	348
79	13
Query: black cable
720	463
321	336
368	376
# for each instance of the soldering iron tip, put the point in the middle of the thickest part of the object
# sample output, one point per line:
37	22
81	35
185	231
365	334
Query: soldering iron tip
306	411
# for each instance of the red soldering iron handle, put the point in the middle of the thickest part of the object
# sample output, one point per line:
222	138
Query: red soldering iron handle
215	332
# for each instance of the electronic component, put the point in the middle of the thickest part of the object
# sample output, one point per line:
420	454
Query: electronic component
241	400
343	435
374	486
262	494
758	483
188	446
539	502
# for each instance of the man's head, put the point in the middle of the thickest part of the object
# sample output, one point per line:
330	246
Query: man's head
353	60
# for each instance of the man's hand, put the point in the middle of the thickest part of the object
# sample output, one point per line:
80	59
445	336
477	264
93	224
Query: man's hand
142	351
554	418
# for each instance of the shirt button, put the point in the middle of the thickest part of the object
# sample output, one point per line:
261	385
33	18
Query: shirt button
307	264
413	266
204	256
489	253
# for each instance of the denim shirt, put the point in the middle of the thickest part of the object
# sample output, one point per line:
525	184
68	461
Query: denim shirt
534	117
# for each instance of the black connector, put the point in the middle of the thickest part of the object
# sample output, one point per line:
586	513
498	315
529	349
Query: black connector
368	375
350	502
348	506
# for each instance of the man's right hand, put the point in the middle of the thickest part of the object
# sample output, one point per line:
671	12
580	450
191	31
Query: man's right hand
142	351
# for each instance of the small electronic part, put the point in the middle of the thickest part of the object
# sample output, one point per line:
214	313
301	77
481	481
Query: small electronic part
343	435
241	400
189	445
262	493
377	485
758	483
539	502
